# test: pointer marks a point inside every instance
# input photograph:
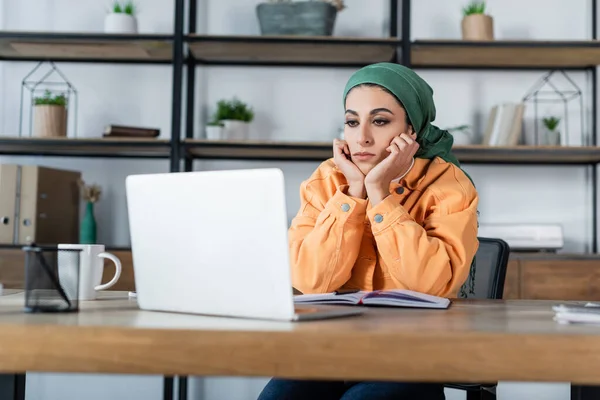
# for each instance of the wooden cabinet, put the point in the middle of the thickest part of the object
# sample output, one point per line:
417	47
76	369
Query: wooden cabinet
12	271
553	277
528	276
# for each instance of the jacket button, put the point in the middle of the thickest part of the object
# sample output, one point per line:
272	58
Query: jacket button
400	190
345	207
378	218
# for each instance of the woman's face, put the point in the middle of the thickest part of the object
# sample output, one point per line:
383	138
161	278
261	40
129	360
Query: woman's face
373	118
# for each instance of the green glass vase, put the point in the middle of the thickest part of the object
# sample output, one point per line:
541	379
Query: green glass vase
87	231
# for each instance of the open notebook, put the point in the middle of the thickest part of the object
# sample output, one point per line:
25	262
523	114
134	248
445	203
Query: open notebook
393	298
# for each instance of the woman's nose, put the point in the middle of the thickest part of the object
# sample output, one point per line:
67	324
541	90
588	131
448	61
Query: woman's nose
365	138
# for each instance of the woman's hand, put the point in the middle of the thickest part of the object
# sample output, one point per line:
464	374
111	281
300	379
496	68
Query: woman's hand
354	176
377	182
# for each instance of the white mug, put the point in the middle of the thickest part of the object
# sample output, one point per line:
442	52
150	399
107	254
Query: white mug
91	268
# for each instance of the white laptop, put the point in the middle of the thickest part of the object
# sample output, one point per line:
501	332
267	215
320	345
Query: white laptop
215	243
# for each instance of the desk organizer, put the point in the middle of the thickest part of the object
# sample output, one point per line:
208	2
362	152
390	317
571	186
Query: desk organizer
51	279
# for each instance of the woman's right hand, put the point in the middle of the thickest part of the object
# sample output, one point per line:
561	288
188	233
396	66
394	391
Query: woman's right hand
354	176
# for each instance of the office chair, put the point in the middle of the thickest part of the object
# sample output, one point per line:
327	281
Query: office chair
491	261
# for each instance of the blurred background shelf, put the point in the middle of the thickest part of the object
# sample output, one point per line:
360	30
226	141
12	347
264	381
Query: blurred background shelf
95	147
257	150
505	54
540	155
85	47
291	50
319	151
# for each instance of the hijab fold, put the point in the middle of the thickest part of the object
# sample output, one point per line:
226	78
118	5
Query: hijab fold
416	96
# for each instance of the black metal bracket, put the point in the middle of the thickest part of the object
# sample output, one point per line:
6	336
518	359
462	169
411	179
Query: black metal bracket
168	386
175	159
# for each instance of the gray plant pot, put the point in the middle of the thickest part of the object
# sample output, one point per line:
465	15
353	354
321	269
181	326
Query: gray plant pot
309	18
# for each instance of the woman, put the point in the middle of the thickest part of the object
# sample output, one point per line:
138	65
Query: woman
391	210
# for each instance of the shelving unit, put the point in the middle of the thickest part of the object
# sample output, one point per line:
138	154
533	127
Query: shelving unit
85	47
185	49
501	54
290	50
314	151
110	148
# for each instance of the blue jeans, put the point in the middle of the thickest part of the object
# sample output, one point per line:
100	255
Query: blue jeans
283	389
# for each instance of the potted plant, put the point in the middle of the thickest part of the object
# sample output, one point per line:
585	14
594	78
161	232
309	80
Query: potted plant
462	135
121	17
476	24
308	18
235	117
552	134
50	115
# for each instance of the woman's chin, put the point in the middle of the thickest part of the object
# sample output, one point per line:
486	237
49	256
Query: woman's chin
365	168
365	165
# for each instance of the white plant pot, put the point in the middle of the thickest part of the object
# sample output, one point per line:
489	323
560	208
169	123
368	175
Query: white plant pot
237	130
462	138
120	23
552	138
214	132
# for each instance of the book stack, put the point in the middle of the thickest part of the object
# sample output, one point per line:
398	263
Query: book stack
588	313
130	132
505	125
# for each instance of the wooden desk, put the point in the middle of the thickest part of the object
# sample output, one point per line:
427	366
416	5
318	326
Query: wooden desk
472	341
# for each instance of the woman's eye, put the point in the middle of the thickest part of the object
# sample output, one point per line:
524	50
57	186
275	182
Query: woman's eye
351	123
380	122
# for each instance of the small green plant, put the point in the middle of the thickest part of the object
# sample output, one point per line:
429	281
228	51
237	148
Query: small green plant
124	7
474	8
49	99
551	122
458	128
233	109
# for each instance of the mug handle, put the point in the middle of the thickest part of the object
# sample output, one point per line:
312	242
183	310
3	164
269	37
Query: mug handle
115	278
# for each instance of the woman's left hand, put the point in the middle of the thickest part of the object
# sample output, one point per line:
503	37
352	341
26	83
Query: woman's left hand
377	182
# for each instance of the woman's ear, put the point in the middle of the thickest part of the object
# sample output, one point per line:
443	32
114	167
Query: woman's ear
412	133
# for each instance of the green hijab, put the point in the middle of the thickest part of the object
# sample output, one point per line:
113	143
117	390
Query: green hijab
417	98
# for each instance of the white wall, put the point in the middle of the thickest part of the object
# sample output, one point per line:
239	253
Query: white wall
293	104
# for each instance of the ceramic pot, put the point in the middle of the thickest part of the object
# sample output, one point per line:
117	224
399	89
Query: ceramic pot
552	138
120	23
50	121
214	132
477	27
308	18
234	129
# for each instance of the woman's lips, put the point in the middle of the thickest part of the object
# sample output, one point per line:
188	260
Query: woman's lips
363	156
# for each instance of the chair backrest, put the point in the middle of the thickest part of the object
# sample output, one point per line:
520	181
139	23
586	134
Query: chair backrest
490	269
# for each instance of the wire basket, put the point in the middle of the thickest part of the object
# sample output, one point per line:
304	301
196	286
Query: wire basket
51	279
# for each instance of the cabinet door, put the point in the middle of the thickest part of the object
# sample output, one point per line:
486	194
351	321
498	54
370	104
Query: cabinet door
12	271
560	279
127	279
512	288
12	268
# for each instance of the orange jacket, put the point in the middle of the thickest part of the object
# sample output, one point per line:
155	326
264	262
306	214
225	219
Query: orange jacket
422	237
